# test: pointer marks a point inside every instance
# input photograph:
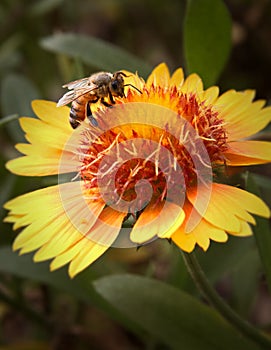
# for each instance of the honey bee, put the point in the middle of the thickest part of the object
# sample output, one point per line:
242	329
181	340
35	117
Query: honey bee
84	92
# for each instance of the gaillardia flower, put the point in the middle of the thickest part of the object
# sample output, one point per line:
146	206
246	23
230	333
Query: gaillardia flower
149	163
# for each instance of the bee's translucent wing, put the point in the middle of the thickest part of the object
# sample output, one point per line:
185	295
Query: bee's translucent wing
78	88
78	84
72	95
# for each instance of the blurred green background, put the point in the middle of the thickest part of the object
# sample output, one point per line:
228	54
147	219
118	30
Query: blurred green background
45	43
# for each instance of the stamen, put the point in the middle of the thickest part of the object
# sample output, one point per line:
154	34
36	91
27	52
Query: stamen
175	155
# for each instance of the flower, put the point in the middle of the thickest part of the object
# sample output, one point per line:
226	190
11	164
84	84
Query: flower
150	162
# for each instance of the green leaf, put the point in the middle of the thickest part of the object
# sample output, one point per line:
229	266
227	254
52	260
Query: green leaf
10	56
24	267
6	188
80	287
95	52
262	233
7	181
245	282
227	256
168	314
207	38
17	92
262	181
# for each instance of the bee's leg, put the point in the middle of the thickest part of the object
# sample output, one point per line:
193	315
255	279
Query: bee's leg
89	113
111	98
106	104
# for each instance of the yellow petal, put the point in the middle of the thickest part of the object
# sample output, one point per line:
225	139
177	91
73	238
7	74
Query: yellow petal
69	254
159	76
63	238
90	252
38	150
186	242
248	153
134	80
18	220
49	147
231	101
245	230
229	207
242	117
39	132
192	84
216	209
68	216
101	236
42	160
74	226
40	232
217	235
48	112
210	95
61	228
33	166
33	203
249	122
85	243
24	204
201	233
177	78
243	199
161	220
233	204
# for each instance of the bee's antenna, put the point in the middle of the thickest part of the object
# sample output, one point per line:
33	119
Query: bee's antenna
127	76
122	73
133	87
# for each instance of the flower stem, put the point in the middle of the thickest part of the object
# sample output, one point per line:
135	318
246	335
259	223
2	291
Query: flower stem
219	304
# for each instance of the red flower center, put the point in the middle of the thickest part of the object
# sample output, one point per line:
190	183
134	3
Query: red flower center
135	170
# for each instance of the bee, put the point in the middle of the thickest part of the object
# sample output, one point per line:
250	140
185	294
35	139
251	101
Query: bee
84	92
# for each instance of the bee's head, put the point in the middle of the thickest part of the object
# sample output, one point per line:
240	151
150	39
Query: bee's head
117	84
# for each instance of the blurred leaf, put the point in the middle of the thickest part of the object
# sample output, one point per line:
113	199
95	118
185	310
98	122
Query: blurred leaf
95	52
80	287
7	184
262	233
42	7
6	188
207	38
17	92
227	256
9	54
178	274
262	181
170	315
245	283
24	267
